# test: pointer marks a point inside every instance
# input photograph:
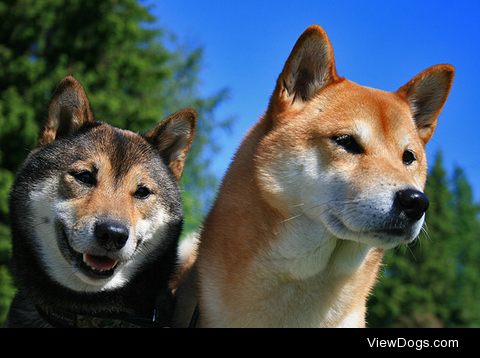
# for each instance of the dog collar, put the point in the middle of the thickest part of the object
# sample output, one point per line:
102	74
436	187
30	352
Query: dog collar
63	319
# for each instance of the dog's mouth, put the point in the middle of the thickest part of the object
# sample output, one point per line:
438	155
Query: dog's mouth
99	265
96	267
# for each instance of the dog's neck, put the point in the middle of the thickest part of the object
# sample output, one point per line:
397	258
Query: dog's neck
301	276
318	279
303	249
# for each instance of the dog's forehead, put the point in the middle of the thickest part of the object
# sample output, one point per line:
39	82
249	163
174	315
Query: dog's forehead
121	149
116	141
363	110
349	97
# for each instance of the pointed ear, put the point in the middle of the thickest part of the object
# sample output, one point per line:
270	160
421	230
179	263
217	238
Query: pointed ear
309	68
174	137
69	109
426	94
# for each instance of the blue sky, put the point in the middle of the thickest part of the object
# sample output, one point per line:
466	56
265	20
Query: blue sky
381	44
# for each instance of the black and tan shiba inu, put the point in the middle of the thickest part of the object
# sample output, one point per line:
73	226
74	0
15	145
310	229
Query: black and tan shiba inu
96	214
328	178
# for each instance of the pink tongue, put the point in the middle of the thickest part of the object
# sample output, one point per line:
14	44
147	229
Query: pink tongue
100	262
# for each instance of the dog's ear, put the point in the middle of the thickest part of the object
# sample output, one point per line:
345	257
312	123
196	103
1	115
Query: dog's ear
69	109
426	94
309	68
174	137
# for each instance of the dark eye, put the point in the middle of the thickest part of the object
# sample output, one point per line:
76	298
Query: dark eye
142	193
348	143
408	157
85	177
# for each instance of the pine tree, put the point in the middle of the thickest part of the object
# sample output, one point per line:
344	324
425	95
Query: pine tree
131	74
467	231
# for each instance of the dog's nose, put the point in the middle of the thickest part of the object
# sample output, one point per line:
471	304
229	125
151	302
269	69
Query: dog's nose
413	202
111	235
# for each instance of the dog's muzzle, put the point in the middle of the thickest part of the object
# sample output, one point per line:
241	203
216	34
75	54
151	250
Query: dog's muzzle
100	257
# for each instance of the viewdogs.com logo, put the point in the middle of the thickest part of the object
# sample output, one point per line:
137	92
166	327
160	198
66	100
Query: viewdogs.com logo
418	344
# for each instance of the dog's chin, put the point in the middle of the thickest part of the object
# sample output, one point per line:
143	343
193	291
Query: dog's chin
382	237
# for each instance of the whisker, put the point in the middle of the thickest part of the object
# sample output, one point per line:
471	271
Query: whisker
426	233
411	251
325	204
292	218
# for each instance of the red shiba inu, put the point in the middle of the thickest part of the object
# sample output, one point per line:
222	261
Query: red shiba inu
331	176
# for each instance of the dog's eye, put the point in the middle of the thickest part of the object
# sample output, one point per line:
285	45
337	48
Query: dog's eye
408	157
142	193
85	177
348	142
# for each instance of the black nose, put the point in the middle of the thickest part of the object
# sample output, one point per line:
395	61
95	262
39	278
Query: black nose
413	202
111	235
